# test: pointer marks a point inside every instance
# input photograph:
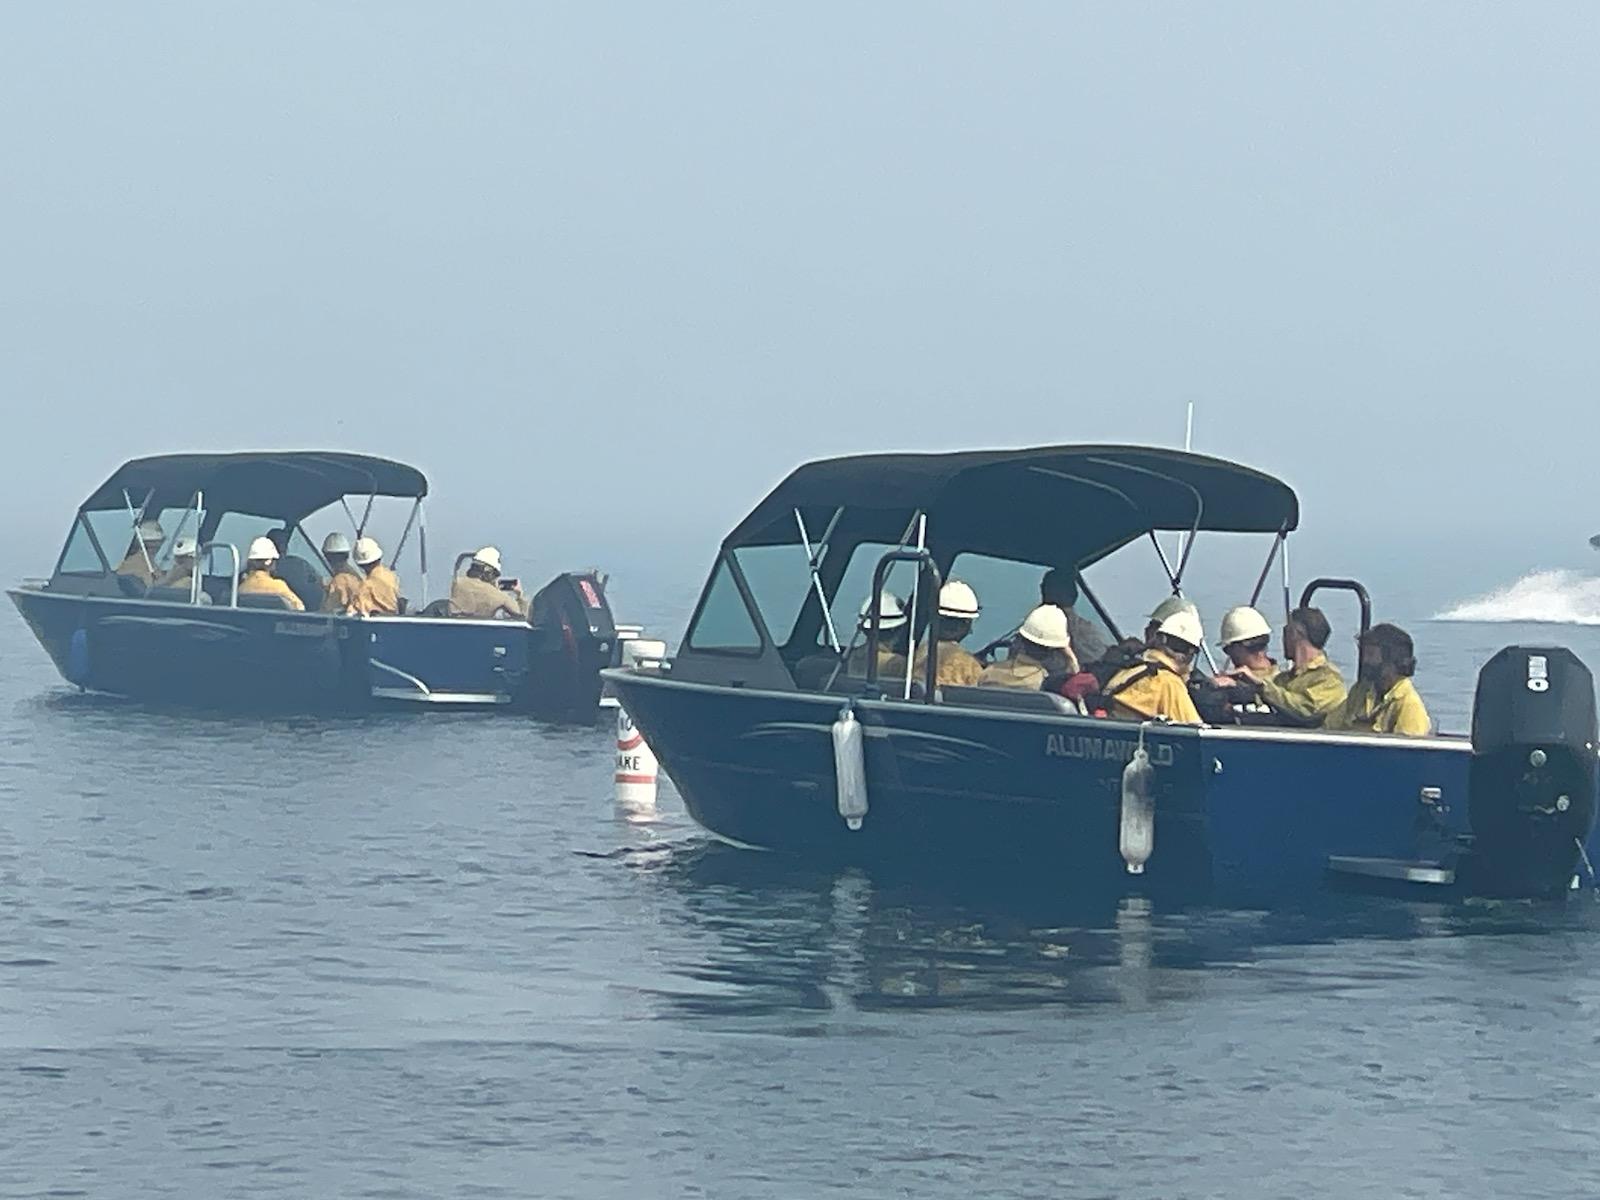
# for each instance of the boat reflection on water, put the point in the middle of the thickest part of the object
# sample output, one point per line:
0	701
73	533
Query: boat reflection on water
772	937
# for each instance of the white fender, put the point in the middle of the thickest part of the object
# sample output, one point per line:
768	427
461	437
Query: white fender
850	768
1138	834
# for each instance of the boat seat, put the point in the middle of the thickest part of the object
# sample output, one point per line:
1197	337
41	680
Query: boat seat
1009	699
264	600
173	595
439	608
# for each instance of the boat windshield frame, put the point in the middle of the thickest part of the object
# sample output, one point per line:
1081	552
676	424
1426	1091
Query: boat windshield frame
1134	476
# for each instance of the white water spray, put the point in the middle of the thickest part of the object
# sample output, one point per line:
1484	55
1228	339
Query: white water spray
1555	597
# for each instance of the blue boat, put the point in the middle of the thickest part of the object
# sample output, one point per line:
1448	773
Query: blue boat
774	744
108	630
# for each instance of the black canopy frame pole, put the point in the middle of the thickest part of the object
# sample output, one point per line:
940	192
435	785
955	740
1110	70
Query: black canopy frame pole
422	547
355	525
1177	590
366	516
1083	586
405	534
1187	545
813	559
1278	541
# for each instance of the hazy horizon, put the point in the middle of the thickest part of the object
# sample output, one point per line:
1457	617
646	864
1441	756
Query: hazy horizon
608	273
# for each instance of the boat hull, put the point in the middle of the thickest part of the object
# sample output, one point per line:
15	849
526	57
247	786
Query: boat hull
246	658
1246	813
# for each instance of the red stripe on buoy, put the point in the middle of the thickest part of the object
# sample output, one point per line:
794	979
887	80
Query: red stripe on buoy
632	743
636	779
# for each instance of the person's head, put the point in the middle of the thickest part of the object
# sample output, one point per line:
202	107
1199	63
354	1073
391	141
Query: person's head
263	556
148	536
183	551
1169	606
1387	655
1044	638
336	549
367	553
958	609
485	565
892	621
1059	587
1245	636
1306	633
1179	635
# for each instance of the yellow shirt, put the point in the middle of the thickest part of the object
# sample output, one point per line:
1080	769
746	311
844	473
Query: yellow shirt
264	583
344	590
890	664
178	577
1307	692
1400	710
474	597
135	567
957	667
1160	694
380	593
1018	671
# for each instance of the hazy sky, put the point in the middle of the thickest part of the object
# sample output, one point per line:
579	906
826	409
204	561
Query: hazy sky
593	266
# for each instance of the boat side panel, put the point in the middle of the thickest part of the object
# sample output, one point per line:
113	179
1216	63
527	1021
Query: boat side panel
960	786
194	654
1278	808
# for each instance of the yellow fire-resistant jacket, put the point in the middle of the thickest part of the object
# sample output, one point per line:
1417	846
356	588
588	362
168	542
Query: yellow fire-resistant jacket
1307	692
264	583
1161	693
1399	710
473	597
135	567
890	664
957	667
1019	671
344	592
380	593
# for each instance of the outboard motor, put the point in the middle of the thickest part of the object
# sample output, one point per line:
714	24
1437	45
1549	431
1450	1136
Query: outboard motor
1531	794
573	637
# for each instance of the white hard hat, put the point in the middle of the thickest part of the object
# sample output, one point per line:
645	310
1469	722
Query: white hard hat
1047	626
367	552
956	599
488	557
1185	627
184	547
336	543
890	614
1243	624
1172	604
262	550
150	531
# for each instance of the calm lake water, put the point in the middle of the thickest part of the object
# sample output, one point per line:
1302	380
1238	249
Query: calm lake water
403	956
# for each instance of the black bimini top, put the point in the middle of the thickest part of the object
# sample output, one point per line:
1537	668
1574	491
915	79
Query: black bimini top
1050	504
287	485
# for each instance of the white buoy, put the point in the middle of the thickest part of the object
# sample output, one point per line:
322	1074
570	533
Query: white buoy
636	767
1138	835
850	768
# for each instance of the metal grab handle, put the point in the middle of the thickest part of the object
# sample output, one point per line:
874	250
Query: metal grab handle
1341	585
926	567
203	560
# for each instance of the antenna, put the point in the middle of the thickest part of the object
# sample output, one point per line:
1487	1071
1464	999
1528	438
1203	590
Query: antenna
1188	445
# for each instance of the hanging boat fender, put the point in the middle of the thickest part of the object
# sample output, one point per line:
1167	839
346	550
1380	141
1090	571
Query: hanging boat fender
1137	839
850	767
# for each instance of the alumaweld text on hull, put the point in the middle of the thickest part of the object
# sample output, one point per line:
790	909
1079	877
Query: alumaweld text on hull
774	743
112	625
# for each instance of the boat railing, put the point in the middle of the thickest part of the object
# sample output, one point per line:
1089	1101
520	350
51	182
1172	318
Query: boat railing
1341	585
928	577
204	558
